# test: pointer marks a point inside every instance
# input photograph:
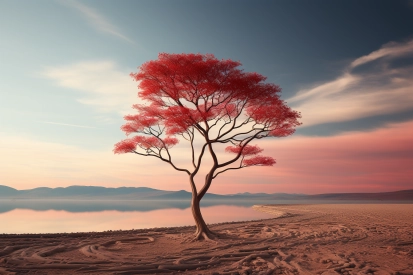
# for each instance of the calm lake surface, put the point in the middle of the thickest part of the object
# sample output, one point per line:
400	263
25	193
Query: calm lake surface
40	216
60	216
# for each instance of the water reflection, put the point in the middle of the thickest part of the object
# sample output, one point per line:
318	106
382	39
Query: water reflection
59	221
77	206
58	216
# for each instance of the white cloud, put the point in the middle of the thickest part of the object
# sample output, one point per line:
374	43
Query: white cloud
105	87
388	50
382	88
96	19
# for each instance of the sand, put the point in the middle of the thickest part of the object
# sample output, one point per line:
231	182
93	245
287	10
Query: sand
302	239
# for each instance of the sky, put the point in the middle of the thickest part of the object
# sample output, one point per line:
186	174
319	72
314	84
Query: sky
347	66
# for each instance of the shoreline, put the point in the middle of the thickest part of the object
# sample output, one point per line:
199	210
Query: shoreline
130	231
304	239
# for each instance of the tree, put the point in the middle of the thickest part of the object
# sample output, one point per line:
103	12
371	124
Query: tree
198	97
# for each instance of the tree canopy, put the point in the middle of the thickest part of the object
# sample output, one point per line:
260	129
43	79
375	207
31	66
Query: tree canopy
188	95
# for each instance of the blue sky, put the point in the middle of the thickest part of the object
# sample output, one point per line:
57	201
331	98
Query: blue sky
346	65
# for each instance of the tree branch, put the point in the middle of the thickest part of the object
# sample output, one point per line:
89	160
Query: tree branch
246	141
231	168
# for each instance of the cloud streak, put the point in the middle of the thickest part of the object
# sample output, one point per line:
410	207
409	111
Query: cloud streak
105	87
374	84
97	20
389	50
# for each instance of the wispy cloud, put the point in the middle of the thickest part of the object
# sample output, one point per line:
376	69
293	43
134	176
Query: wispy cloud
375	84
389	50
104	86
97	20
65	124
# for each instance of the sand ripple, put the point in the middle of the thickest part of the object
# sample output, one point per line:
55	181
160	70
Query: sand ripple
302	239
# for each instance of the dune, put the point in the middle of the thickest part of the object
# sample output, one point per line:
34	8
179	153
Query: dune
300	239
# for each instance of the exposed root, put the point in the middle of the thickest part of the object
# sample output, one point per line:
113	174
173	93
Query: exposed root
201	235
205	236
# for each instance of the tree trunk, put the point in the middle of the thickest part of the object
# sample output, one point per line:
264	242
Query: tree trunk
202	230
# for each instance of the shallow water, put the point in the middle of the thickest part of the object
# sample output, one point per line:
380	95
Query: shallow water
60	221
59	216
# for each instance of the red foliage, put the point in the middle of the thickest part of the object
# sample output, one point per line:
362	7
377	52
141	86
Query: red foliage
170	141
178	119
148	142
282	132
188	89
201	98
191	93
129	145
259	161
124	146
183	76
247	151
137	123
277	116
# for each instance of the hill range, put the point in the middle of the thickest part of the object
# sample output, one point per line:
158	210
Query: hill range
145	193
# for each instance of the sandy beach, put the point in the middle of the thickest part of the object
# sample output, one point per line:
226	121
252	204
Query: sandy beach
300	239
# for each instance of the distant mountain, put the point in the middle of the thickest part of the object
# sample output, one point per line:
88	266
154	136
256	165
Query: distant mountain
184	195
7	191
81	192
145	193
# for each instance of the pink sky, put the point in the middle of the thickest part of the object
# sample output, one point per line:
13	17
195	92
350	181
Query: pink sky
373	161
365	161
65	87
